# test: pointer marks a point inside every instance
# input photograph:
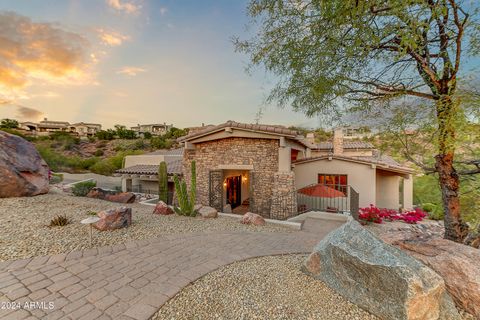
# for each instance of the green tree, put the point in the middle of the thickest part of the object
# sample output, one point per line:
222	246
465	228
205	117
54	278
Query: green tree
9	124
331	56
123	133
105	134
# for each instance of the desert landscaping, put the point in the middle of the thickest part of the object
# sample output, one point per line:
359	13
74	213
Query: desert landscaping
25	231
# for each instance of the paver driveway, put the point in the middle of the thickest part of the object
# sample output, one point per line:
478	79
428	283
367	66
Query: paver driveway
131	281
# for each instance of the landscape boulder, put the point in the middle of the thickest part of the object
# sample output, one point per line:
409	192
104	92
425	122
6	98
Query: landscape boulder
253	218
456	263
208	212
113	219
24	173
162	209
378	277
227	208
112	196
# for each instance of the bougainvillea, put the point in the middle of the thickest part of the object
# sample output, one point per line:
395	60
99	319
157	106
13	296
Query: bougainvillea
378	215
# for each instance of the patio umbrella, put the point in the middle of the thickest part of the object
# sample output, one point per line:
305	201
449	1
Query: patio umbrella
322	191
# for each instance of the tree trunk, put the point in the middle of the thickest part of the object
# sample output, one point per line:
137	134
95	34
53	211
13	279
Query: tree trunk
455	229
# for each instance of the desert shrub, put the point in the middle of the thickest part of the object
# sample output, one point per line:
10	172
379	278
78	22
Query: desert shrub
81	189
108	165
103	167
56	178
59	221
91	213
105	134
147	135
99	153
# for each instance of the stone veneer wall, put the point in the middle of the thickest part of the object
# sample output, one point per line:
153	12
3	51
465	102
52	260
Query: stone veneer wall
261	153
284	196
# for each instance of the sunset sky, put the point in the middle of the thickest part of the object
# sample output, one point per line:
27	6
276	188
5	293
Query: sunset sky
129	62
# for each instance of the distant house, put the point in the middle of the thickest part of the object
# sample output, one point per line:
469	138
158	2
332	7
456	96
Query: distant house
154	129
140	172
46	127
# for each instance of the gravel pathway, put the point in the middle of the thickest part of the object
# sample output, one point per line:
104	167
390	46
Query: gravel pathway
24	232
262	288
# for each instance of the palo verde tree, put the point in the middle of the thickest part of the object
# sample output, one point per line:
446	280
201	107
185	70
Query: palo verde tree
329	54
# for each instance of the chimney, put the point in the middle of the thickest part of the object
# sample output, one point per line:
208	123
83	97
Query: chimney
310	137
338	141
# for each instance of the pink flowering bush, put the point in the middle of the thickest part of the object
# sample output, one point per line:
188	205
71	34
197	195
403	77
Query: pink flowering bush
378	215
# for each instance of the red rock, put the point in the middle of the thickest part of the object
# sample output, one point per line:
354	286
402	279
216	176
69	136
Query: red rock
456	263
123	197
24	173
113	219
163	209
253	218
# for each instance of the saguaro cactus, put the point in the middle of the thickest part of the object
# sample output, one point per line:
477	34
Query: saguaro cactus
163	182
186	200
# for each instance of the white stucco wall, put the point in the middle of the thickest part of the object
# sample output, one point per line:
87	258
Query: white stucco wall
388	190
360	177
408	192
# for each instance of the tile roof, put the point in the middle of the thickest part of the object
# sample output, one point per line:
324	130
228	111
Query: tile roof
173	167
382	161
168	152
346	145
275	129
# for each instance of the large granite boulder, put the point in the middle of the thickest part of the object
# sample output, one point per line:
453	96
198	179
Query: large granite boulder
113	219
112	196
208	212
162	209
456	263
378	277
253	218
24	173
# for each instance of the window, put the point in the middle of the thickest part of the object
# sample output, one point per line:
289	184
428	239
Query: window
337	181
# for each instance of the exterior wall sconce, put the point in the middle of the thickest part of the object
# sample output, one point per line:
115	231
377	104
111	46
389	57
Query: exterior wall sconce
244	178
225	184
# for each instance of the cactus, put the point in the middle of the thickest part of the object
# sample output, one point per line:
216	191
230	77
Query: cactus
186	200
162	182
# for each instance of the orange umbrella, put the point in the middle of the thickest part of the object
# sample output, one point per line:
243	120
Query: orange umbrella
322	191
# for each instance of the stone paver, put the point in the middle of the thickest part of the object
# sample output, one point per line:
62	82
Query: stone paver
133	280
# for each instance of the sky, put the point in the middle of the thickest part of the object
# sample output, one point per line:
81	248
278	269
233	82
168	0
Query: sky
129	62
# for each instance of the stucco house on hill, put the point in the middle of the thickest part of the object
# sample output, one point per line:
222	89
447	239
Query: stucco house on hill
274	171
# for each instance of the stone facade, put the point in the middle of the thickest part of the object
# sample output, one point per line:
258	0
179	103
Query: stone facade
284	196
261	154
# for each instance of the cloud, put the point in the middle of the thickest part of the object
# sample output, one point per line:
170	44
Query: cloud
111	38
32	51
125	6
131	71
163	10
22	111
28	113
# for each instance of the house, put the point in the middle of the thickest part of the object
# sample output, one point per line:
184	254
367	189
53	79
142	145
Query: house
261	167
46	127
245	166
140	172
83	129
378	179
154	129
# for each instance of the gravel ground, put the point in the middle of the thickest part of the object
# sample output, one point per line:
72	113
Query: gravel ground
24	232
262	288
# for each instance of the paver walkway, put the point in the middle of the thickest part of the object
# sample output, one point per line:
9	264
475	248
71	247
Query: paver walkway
131	281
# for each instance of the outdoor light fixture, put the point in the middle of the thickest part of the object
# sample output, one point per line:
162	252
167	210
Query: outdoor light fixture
244	178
